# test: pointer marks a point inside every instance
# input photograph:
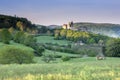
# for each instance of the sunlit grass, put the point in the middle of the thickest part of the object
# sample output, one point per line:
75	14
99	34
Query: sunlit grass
50	39
15	45
82	75
75	69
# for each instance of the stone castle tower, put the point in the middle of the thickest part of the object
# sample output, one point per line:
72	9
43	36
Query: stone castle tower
68	26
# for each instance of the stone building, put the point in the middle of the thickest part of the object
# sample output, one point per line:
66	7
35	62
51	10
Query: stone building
68	26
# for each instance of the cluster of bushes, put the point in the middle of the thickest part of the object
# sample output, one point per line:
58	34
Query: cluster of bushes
21	37
5	36
24	38
53	44
48	58
65	58
16	55
13	54
44	30
66	49
28	40
51	57
112	48
59	49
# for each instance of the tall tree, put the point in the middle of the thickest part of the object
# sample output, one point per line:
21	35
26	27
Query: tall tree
20	25
5	36
113	48
63	33
19	37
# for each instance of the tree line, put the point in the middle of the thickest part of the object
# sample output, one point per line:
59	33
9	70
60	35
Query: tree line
85	37
17	23
21	37
102	28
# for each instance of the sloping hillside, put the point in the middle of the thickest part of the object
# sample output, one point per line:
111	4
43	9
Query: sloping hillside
7	21
112	30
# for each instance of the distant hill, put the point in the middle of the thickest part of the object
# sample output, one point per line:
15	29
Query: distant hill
7	21
54	27
112	30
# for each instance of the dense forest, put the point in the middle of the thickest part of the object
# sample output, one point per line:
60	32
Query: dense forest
83	36
17	23
112	30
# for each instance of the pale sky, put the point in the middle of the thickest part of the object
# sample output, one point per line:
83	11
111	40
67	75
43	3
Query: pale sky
48	12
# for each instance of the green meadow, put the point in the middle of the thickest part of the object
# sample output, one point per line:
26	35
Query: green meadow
50	39
75	69
79	68
68	51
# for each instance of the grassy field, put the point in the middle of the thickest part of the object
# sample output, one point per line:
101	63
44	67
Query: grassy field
75	69
50	39
16	45
87	68
60	53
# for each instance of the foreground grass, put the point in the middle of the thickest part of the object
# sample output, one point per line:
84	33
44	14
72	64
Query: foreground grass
75	69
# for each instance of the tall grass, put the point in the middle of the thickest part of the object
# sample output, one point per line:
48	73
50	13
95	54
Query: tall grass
75	69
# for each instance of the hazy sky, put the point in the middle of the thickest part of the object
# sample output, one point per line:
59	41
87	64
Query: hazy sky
48	12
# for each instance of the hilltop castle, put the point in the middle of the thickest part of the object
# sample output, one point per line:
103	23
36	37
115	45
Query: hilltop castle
68	26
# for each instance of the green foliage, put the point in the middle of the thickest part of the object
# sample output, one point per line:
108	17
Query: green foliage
100	28
57	34
59	49
20	25
19	37
91	41
38	50
113	47
50	39
5	36
75	69
11	30
42	29
63	34
17	23
48	58
65	58
91	53
58	54
75	36
0	37
10	55
24	38
29	40
90	50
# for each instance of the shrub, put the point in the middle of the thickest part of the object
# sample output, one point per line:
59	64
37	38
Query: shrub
29	40
10	54
65	58
39	50
48	58
5	36
91	53
19	37
113	48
